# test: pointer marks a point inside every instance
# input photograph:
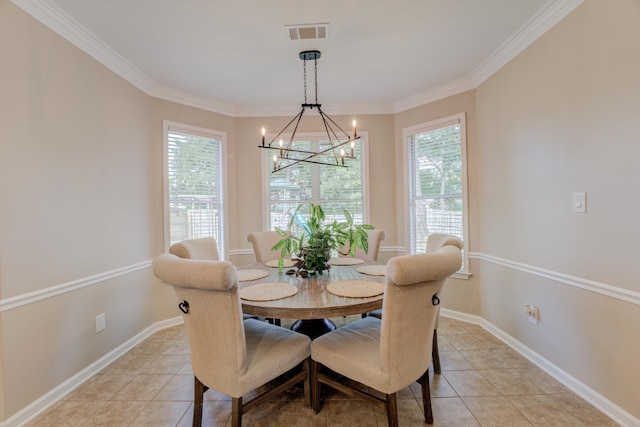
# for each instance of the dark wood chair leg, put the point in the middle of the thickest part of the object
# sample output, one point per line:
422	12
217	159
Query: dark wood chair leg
426	397
435	354
236	411
392	410
315	386
307	382
198	399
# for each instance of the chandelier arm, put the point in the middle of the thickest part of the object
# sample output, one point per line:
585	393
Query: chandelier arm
327	128
279	168
295	129
298	116
334	123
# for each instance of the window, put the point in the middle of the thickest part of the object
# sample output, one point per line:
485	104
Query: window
436	181
334	188
194	202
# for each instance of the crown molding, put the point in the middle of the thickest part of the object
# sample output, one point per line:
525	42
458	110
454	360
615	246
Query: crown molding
552	13
185	98
72	31
440	92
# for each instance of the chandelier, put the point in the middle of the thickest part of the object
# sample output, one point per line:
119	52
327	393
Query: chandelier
286	155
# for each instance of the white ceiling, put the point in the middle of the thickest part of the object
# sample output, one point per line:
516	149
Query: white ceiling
235	56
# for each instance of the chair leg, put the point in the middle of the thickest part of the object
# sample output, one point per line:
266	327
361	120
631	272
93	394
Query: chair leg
307	382
198	398
392	410
435	354
426	397
236	412
315	386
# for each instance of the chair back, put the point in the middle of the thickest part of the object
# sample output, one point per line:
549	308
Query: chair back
208	292
374	241
204	248
262	242
409	310
437	240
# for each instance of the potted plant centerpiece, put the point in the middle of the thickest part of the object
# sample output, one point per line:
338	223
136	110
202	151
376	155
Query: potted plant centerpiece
319	238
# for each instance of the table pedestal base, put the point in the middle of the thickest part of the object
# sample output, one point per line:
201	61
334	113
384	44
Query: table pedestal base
313	328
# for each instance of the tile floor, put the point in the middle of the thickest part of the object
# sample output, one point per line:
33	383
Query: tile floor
483	383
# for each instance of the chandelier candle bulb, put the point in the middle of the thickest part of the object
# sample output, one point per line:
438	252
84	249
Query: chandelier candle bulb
280	148
275	161
264	131
353	144
354	128
342	155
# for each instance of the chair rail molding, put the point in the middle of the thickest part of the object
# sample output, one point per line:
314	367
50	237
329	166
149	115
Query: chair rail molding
566	279
52	291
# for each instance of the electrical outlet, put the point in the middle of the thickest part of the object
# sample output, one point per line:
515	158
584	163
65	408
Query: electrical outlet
532	312
534	315
101	322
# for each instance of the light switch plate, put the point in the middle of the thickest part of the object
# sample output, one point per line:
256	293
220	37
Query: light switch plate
579	202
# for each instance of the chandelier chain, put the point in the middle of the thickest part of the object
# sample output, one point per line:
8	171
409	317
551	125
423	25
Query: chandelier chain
305	80
315	64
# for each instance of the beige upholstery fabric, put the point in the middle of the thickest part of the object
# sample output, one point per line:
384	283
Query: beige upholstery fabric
203	248
262	242
391	353
227	354
374	241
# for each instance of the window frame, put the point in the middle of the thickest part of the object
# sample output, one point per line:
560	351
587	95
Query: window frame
168	126
410	131
313	136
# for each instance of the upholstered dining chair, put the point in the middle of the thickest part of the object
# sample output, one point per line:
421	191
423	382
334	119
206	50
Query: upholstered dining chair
262	242
230	355
435	241
203	248
389	354
374	242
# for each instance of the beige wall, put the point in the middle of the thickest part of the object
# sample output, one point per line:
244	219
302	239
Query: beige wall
75	202
562	118
81	194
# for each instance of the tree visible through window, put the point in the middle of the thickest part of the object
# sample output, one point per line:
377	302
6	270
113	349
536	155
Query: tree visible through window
195	190
437	173
334	188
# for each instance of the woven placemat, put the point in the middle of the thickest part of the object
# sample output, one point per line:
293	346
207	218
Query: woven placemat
372	270
249	275
355	288
274	263
345	261
268	291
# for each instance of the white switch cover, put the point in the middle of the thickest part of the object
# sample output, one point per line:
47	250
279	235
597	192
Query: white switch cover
579	202
101	322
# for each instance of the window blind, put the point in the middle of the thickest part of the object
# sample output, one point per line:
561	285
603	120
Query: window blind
436	184
335	188
195	186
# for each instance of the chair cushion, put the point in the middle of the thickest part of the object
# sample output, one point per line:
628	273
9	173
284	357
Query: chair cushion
354	351
271	351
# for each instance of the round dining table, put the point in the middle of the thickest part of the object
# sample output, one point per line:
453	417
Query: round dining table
313	303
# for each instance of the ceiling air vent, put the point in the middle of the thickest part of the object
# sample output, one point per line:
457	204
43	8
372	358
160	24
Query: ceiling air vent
307	31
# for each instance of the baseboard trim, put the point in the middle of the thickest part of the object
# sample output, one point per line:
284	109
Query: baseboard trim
603	404
37	407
